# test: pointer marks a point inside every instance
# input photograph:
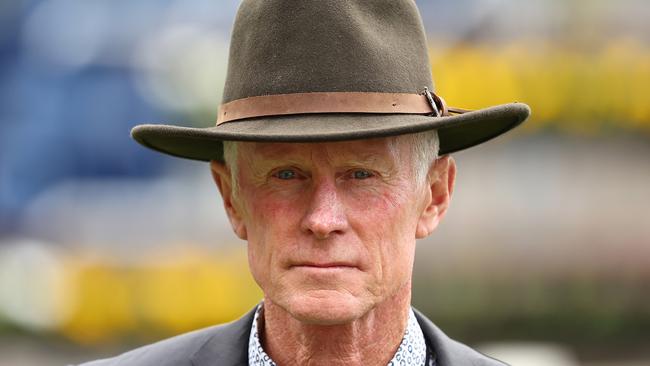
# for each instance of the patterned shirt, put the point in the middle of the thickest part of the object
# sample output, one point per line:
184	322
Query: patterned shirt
412	350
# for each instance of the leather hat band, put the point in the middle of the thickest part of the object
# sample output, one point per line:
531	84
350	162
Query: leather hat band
334	102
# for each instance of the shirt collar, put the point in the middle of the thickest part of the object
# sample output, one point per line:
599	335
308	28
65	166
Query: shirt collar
412	350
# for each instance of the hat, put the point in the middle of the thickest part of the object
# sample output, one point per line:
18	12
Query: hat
329	70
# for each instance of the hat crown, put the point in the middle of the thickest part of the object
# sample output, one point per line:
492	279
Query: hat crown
301	46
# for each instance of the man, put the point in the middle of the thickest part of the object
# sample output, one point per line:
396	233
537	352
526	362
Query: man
331	155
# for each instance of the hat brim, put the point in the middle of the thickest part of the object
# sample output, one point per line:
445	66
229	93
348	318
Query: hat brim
456	132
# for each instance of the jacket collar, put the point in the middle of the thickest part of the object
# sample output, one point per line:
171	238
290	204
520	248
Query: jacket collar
228	345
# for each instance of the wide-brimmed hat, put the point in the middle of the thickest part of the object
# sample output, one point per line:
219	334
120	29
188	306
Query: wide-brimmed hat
330	70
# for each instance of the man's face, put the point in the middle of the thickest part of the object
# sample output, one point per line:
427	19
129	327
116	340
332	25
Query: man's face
331	227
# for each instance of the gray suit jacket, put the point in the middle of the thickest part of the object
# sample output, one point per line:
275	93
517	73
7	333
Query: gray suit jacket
227	345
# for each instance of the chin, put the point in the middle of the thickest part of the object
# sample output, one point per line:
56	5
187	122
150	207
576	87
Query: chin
325	307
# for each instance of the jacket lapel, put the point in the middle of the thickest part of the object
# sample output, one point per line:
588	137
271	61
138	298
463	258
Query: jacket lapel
449	352
228	346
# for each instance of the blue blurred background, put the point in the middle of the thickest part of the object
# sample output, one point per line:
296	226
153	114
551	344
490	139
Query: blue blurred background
104	245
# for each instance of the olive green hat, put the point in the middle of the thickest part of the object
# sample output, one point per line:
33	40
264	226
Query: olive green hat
330	70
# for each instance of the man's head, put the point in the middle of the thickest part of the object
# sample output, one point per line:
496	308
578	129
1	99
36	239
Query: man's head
331	227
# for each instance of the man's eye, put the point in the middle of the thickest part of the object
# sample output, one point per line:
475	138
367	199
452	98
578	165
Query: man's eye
361	174
285	174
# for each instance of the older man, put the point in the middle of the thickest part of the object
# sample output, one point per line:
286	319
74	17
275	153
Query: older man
326	155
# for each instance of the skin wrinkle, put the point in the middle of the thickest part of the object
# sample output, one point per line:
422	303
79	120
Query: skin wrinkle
348	315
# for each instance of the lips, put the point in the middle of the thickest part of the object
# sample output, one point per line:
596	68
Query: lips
323	265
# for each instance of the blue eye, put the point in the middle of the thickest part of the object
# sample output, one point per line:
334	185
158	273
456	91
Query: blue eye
285	174
361	174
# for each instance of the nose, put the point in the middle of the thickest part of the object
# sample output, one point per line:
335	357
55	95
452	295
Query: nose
325	215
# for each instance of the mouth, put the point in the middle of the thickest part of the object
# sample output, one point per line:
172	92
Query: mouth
324	265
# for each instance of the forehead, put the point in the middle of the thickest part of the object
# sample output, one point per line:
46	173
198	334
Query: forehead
368	149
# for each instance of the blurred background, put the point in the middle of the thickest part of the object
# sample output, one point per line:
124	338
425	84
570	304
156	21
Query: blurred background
543	259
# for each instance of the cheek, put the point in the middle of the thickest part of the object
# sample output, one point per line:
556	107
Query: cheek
387	210
272	216
386	223
396	258
271	221
263	208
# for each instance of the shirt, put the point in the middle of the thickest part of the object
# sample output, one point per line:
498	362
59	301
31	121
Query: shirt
412	350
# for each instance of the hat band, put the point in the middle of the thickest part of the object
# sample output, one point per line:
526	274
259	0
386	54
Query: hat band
331	102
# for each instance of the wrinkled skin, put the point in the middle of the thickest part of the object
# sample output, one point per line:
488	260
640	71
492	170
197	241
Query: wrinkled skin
331	230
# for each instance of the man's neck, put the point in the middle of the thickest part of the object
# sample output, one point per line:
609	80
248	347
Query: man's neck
372	339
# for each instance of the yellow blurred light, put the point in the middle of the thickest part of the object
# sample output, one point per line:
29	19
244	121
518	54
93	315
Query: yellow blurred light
167	293
567	89
104	306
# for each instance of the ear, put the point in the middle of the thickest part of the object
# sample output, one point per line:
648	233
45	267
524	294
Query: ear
439	189
223	180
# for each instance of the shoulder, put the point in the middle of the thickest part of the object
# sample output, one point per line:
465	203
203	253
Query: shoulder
222	341
450	352
173	351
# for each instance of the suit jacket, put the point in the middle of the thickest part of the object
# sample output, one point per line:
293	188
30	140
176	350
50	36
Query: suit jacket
227	345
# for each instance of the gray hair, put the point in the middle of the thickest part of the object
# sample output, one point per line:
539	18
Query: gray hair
425	146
